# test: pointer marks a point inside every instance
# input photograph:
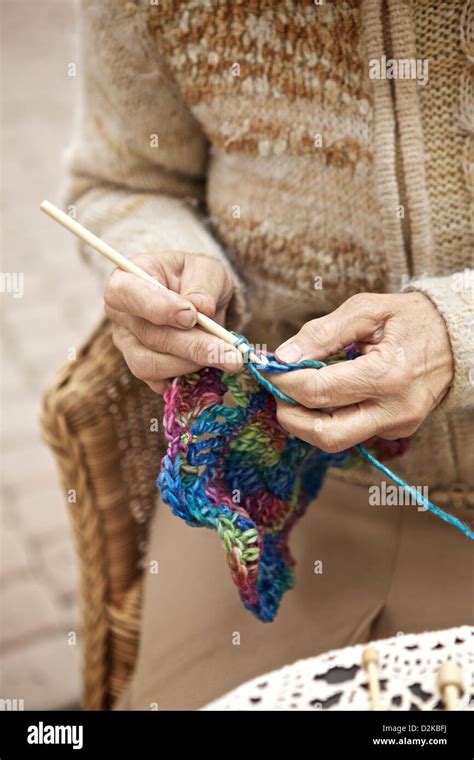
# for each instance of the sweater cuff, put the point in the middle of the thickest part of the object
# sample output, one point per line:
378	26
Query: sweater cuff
453	296
146	223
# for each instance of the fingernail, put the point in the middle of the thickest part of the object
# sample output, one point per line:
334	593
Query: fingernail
289	353
186	318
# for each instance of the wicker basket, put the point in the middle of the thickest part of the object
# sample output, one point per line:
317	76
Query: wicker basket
101	424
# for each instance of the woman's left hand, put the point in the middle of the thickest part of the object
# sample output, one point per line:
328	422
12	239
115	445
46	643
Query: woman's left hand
405	370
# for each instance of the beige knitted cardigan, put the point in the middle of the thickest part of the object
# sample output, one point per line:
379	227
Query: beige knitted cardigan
252	131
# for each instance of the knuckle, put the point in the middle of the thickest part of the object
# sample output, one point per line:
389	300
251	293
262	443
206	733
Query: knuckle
198	350
282	415
174	255
198	289
401	375
311	329
409	372
146	261
141	366
146	305
139	258
164	340
365	306
327	331
381	374
367	384
332	443
308	389
319	332
322	389
329	440
116	340
407	431
412	418
203	263
159	386
359	299
113	289
315	390
359	302
146	333
108	311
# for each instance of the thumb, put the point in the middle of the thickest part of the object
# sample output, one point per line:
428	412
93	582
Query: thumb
360	318
206	283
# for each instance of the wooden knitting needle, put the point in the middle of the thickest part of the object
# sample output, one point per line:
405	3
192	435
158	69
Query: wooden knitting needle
122	262
370	661
450	684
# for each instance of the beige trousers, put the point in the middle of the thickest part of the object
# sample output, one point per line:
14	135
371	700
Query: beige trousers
385	569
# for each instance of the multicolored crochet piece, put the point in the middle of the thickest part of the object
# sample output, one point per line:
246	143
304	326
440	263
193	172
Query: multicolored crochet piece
231	467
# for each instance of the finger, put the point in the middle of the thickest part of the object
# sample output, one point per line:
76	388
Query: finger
121	318
360	318
152	367
338	431
193	345
165	266
159	386
336	385
128	293
161	367
120	336
198	349
206	283
164	367
400	432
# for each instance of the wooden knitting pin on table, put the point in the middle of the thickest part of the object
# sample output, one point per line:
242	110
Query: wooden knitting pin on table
450	684
370	661
126	265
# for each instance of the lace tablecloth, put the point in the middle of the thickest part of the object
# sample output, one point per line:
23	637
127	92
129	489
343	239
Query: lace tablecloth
408	667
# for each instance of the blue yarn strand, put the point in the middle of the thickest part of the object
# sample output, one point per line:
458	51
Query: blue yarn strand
272	366
417	494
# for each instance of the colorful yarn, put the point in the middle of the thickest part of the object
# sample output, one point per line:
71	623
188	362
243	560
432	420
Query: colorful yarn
234	469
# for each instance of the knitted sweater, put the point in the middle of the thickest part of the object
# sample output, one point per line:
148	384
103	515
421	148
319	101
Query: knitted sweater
253	131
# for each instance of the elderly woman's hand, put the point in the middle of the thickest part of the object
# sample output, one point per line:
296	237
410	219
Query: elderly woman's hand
155	328
404	371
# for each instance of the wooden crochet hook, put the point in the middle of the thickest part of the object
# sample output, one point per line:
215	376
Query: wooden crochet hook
450	684
126	265
370	661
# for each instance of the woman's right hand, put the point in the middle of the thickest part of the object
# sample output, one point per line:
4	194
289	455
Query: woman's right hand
156	330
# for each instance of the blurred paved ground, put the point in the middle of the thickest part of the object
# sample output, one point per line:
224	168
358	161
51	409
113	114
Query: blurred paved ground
61	302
